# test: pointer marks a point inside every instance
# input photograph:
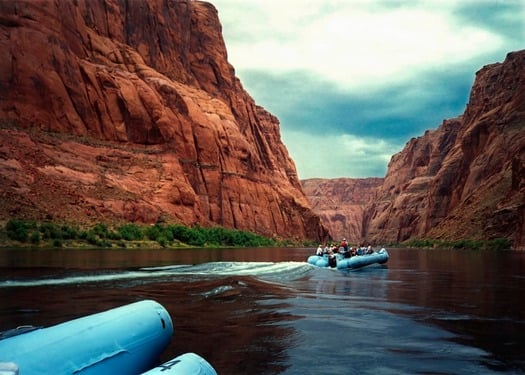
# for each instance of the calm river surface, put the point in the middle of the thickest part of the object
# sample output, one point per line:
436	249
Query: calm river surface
266	311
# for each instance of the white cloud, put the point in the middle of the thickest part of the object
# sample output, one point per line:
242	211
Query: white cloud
404	54
354	44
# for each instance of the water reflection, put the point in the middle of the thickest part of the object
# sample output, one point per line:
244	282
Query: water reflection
460	282
241	331
369	282
266	311
476	295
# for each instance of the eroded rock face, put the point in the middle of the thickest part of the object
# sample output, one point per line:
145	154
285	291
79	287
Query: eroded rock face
464	179
340	202
130	111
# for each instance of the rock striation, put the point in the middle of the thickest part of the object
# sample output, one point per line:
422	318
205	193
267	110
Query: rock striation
340	203
130	111
465	179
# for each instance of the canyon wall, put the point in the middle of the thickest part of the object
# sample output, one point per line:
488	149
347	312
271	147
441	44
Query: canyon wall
114	111
464	180
340	202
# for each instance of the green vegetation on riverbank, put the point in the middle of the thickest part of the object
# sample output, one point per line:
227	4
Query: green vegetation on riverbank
31	233
494	244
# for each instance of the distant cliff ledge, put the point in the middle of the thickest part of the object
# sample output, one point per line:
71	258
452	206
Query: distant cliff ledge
130	111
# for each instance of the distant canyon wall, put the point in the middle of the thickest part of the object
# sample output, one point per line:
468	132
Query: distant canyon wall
340	202
117	110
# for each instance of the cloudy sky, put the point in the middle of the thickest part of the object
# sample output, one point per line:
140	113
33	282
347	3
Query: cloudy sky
351	81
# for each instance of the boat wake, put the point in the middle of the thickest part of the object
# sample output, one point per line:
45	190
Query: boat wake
267	271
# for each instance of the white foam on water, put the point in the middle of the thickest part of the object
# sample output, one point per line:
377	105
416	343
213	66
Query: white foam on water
266	270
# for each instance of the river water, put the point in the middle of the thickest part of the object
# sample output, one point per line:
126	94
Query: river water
266	311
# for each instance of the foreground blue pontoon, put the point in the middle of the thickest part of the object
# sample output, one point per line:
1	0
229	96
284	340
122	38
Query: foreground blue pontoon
125	340
342	261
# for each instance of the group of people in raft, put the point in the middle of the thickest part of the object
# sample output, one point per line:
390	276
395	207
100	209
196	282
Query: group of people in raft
344	249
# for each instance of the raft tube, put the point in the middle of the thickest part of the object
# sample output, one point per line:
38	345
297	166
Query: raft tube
318	260
185	364
125	340
357	261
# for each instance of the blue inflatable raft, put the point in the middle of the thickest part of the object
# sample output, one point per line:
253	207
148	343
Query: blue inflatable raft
125	340
342	262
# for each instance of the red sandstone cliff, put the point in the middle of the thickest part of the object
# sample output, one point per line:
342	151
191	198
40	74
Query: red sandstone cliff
340	203
117	110
465	179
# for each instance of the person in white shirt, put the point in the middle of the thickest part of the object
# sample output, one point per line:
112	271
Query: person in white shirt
319	250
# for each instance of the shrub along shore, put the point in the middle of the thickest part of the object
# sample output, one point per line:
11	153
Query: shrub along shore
17	233
494	244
